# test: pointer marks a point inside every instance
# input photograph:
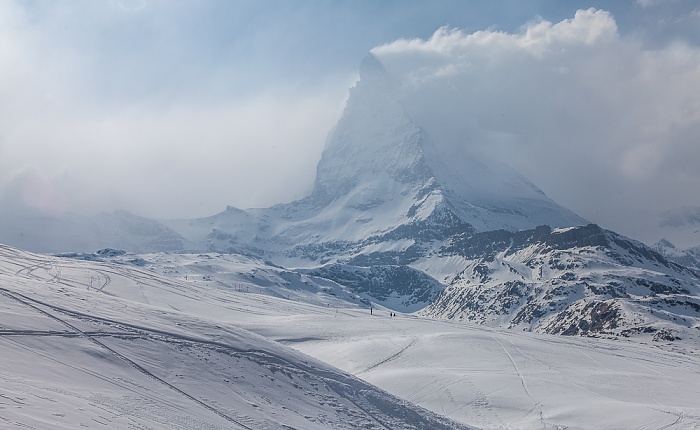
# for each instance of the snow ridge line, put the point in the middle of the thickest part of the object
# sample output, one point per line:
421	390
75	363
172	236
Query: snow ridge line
130	362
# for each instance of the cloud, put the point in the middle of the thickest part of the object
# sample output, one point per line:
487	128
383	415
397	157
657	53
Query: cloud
176	109
109	106
605	126
184	161
648	3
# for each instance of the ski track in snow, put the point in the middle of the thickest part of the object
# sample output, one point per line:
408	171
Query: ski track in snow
389	358
402	334
537	405
512	351
558	374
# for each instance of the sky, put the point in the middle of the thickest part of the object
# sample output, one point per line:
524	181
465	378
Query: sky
176	109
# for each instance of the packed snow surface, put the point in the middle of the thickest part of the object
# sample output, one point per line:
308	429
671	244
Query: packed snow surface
186	341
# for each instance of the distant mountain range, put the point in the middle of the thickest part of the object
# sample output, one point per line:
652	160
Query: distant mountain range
686	257
415	226
34	231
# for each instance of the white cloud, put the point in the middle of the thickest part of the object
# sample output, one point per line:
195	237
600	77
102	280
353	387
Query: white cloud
87	130
650	3
603	125
182	161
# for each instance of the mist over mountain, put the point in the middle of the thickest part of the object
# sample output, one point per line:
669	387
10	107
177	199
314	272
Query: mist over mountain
408	222
681	226
381	172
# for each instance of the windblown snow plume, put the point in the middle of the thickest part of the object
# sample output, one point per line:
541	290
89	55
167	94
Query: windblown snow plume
605	126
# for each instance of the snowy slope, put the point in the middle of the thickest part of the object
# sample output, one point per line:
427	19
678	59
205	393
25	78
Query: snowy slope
481	376
496	379
91	345
477	375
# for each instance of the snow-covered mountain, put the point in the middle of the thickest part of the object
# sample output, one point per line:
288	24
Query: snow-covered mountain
575	281
378	161
393	217
681	242
381	174
686	257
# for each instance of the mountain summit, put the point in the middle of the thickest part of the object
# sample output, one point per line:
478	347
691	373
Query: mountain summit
377	156
374	145
379	173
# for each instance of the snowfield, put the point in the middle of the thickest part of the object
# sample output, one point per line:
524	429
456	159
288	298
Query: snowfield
77	355
221	341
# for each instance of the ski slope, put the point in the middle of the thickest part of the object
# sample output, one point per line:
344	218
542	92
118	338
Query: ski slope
77	355
184	341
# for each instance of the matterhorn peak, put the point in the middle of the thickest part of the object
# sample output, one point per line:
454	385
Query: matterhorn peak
382	179
375	142
378	153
